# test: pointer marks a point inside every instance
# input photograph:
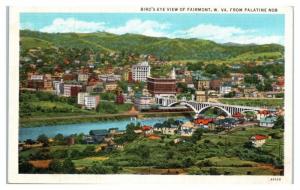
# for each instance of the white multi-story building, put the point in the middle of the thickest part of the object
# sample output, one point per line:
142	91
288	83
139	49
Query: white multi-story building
83	77
80	97
141	71
58	87
37	77
225	89
91	102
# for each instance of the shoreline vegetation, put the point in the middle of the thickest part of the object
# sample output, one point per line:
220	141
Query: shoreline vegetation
73	119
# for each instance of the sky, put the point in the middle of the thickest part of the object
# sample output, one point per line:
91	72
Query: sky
221	28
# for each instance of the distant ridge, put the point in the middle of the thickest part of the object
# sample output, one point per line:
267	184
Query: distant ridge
162	47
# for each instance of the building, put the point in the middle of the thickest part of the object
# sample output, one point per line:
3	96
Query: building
169	130
58	87
148	130
201	82
98	135
80	97
91	102
39	82
215	84
161	86
82	77
187	129
225	89
237	78
201	96
71	90
267	121
258	140
141	71
249	91
110	86
143	102
109	77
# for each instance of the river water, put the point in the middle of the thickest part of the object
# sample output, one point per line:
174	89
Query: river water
68	129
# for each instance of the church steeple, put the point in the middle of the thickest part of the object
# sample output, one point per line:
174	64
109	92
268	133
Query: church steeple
173	74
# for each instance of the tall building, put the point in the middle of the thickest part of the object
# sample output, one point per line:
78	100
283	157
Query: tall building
71	90
141	71
91	102
80	97
161	86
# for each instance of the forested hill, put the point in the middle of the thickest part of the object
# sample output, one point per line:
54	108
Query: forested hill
164	48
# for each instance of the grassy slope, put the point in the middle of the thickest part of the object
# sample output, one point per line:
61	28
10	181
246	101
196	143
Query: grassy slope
175	49
253	102
158	150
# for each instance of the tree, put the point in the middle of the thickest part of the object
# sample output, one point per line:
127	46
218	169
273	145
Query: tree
25	167
68	166
187	162
43	139
123	85
197	135
89	151
59	137
144	152
169	155
279	124
56	166
97	168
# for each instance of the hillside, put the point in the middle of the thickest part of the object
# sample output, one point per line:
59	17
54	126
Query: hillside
165	48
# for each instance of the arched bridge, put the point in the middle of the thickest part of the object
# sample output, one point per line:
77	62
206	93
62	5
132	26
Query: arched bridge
199	107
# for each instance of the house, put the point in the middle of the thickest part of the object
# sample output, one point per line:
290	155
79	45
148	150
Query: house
238	115
88	139
98	135
258	140
138	131
225	89
201	96
148	130
110	86
236	66
169	130
113	130
267	121
82	77
187	129
178	140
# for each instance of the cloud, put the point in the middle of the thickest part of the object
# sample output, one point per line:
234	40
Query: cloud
249	39
60	25
137	26
220	34
26	25
224	34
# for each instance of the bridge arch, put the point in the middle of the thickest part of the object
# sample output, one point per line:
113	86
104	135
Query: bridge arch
213	106
185	104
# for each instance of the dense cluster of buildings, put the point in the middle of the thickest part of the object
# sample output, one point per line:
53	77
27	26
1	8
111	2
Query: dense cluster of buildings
87	83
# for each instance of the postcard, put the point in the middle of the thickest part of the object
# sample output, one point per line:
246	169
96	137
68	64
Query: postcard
150	94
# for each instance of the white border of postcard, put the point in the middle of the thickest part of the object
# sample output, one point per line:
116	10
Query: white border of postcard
13	117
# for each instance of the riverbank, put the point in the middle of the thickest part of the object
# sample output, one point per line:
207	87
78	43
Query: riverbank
73	119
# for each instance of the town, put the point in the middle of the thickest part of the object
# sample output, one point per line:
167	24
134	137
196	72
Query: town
232	111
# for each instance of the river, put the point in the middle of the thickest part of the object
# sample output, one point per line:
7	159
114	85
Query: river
68	129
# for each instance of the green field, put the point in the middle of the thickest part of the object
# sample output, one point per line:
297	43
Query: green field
253	102
214	154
